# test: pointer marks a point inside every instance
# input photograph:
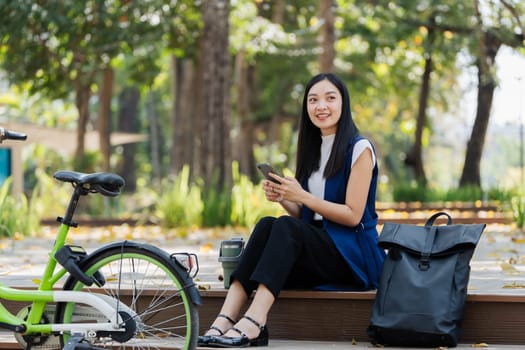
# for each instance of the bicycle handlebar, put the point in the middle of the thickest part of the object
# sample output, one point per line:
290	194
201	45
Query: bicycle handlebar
11	135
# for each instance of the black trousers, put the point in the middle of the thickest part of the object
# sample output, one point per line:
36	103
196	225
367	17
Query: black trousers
286	253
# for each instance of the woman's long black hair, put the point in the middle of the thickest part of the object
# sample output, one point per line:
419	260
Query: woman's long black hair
309	142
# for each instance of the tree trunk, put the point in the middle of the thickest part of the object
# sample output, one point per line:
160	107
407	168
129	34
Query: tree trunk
83	94
215	60
183	115
414	157
198	124
245	144
488	49
154	137
243	141
104	117
278	11
127	122
327	36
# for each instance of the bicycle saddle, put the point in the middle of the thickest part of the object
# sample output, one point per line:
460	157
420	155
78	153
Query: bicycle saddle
107	184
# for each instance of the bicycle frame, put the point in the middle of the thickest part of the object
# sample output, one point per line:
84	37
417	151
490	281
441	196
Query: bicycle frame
86	309
44	294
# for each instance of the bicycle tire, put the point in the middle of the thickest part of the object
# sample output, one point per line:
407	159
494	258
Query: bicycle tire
150	283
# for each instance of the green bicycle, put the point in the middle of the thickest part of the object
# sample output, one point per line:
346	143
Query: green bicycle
123	295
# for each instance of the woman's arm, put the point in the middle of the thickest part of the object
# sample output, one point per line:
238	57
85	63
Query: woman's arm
348	214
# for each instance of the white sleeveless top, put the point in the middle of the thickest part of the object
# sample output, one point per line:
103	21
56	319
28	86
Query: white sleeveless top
316	182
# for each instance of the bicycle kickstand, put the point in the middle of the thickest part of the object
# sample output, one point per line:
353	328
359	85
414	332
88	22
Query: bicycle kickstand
76	342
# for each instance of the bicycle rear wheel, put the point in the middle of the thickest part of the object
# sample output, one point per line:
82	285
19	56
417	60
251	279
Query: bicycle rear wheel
156	292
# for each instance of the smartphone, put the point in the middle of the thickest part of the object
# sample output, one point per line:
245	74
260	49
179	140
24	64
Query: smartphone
267	168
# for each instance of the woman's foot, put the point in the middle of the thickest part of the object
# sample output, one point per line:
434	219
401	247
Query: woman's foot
246	332
221	325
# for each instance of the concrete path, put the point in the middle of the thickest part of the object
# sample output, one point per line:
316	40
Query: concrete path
498	265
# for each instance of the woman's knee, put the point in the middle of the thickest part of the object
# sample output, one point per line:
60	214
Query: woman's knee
266	221
288	227
263	228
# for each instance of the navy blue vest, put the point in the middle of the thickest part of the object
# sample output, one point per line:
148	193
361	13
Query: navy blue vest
358	245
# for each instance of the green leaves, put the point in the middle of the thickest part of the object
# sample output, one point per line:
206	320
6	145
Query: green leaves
54	44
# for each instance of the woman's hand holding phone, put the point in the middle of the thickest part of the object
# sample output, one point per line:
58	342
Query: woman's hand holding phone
266	169
285	190
270	182
271	194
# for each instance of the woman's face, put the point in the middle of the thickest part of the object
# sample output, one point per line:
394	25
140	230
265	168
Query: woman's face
324	104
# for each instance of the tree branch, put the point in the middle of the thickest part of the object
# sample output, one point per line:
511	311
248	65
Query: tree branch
514	14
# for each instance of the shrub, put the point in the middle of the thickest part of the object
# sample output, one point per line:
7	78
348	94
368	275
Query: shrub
217	206
180	202
248	201
49	198
518	210
406	192
16	215
464	194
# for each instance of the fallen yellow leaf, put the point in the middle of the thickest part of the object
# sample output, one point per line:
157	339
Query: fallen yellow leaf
18	236
204	286
513	285
508	268
205	248
480	345
162	335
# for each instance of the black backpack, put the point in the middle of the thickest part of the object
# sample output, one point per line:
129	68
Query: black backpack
423	286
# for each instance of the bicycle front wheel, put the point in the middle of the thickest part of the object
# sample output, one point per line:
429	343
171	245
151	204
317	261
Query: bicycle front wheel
151	290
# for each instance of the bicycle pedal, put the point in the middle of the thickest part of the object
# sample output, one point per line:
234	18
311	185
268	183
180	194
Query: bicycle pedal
73	342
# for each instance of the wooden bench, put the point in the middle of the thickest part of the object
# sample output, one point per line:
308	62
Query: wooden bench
344	316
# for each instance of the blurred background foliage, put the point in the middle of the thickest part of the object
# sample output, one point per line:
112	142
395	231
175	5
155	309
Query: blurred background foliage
145	68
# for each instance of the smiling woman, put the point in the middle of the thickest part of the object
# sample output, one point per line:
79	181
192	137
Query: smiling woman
328	239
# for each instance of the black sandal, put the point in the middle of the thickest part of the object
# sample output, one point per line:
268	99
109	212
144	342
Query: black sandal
242	341
204	340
